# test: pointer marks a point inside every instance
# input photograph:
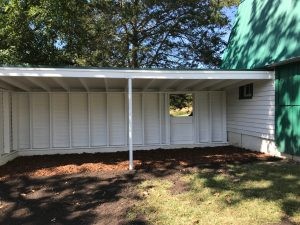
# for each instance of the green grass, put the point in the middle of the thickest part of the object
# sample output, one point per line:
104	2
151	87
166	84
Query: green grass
258	193
182	112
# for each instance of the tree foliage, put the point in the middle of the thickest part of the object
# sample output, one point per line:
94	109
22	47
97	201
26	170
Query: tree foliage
115	33
179	101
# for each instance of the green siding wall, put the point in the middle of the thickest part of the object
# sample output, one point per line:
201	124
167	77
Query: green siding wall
288	108
265	32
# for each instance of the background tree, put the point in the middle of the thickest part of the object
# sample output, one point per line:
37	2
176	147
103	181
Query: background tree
115	33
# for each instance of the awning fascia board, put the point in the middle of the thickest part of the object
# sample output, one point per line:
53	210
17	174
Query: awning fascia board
137	74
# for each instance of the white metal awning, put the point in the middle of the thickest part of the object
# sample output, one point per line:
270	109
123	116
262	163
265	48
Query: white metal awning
70	79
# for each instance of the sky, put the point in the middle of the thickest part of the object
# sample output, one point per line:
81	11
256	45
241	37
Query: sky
231	13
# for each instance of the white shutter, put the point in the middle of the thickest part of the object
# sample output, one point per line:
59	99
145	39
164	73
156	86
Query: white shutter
79	112
163	112
116	118
24	121
182	131
137	119
217	116
1	124
60	120
15	113
151	118
98	119
40	120
203	116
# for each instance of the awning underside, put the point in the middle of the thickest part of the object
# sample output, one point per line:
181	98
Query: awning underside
31	80
32	84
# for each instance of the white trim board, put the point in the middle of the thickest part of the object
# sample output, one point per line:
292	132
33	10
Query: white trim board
136	74
31	152
5	158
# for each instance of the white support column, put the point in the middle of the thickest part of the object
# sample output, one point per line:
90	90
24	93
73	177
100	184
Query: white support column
107	121
70	120
130	142
50	122
6	121
159	109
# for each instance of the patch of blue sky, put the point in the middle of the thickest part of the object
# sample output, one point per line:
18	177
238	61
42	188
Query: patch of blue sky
231	13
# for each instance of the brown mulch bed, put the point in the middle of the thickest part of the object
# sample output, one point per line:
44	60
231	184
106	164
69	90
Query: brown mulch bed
49	165
98	188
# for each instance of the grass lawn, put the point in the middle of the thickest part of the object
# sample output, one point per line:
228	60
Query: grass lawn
256	193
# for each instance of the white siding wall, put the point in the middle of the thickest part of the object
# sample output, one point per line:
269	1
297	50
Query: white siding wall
251	122
64	122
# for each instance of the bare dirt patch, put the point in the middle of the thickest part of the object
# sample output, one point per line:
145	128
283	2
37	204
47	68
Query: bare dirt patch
50	165
179	187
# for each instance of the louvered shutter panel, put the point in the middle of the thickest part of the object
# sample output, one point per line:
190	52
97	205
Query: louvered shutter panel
151	118
79	107
217	116
60	120
23	121
116	118
40	120
98	119
137	119
203	116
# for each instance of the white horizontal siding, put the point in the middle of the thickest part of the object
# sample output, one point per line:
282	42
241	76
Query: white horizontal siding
256	116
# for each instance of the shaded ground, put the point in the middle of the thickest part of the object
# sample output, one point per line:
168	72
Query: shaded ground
97	188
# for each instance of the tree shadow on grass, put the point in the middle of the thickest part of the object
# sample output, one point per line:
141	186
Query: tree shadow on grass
282	184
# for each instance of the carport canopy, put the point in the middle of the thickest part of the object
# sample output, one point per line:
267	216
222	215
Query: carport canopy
25	79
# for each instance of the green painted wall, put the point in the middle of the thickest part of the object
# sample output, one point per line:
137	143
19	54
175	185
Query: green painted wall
288	108
265	32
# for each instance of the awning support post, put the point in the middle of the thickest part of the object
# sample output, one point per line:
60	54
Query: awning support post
130	142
